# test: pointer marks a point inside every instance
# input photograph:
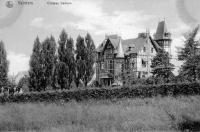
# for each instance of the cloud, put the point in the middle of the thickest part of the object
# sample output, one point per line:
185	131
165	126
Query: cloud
17	62
93	18
183	13
37	22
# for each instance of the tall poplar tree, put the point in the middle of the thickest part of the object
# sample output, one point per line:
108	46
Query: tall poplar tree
85	58
36	67
70	60
62	69
81	55
90	59
48	61
3	66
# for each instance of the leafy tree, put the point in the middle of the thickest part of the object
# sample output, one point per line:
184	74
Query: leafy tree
190	56
128	75
36	67
23	84
81	55
48	61
66	64
90	59
162	68
63	73
85	57
70	60
3	66
61	66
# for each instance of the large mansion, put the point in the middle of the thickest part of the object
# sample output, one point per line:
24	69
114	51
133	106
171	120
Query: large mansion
115	54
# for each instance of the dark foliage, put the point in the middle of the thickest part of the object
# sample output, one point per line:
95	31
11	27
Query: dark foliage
65	68
162	68
3	66
35	71
85	57
190	55
108	93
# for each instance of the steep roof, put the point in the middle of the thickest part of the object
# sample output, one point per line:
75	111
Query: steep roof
121	46
136	44
161	31
114	39
155	44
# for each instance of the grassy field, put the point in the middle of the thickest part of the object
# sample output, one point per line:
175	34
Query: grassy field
124	115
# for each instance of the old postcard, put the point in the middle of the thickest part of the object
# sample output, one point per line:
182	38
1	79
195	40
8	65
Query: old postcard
99	65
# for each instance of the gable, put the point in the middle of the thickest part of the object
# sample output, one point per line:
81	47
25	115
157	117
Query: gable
129	46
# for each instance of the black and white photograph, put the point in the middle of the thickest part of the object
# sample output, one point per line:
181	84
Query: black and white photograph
99	66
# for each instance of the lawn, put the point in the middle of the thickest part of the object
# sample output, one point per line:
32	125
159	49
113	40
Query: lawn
124	115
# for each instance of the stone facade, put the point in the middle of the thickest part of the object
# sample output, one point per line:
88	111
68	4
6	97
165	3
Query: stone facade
115	55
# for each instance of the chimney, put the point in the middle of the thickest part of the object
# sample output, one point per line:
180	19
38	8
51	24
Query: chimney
120	52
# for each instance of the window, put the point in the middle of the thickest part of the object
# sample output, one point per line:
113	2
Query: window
144	74
151	50
139	74
133	65
110	66
144	49
109	53
102	65
143	63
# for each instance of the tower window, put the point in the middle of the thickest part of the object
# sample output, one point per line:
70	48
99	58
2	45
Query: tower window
151	50
144	49
102	65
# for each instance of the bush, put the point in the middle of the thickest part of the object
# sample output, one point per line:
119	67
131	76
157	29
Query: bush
106	93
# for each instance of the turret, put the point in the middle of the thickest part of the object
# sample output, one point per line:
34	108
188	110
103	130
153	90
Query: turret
163	37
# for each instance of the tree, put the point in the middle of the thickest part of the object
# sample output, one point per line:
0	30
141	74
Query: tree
85	58
127	74
90	59
190	56
70	60
81	55
3	66
66	63
23	84
36	67
162	68
48	61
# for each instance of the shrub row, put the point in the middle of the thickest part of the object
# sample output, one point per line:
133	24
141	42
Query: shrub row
107	93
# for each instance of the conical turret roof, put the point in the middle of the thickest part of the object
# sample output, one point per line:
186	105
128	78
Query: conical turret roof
161	31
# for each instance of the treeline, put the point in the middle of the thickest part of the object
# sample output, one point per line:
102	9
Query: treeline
58	67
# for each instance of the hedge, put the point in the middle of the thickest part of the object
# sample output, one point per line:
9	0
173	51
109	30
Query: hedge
106	93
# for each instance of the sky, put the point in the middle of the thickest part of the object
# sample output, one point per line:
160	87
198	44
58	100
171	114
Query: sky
20	25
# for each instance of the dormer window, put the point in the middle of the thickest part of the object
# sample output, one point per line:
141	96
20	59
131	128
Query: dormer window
167	34
131	48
